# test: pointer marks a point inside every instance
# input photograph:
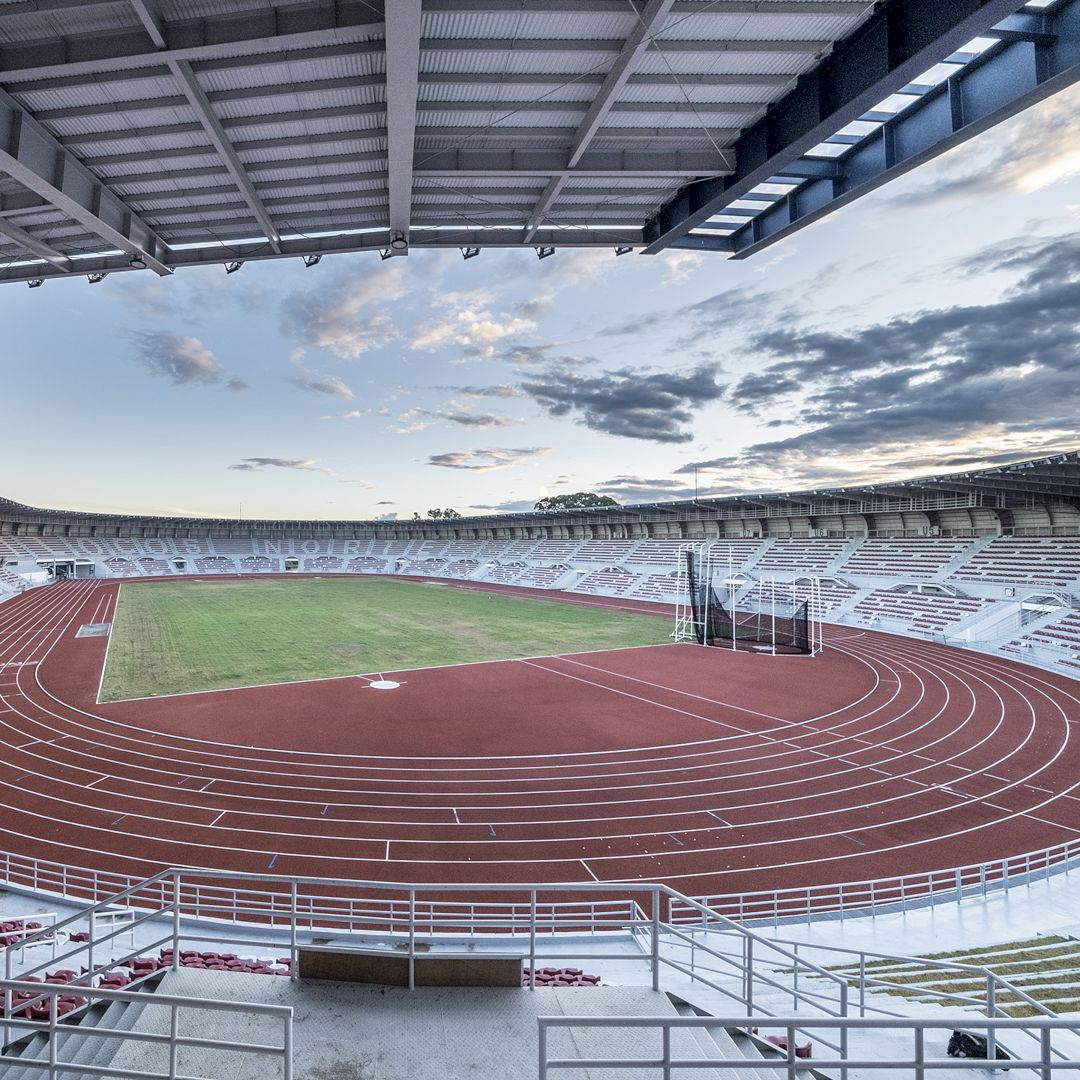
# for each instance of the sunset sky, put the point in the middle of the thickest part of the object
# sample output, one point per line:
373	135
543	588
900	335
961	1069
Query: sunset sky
931	326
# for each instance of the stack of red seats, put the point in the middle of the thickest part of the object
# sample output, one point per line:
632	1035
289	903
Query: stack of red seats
550	976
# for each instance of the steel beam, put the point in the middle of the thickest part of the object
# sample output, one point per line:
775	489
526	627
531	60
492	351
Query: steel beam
752	46
1005	80
402	81
648	21
600	164
35	246
213	37
892	48
30	155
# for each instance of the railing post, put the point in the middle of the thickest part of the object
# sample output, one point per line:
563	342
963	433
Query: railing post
991	1012
287	1046
412	939
53	998
862	984
174	1034
656	940
844	1029
541	1044
176	921
666	1050
749	984
1045	1072
791	1059
532	939
294	959
920	1053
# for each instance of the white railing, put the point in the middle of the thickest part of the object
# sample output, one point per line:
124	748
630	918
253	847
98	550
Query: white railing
278	1055
883	895
769	906
1034	1037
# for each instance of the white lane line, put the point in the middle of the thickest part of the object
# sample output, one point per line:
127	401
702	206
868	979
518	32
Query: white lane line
386	858
205	786
588	869
218	818
97	781
457	820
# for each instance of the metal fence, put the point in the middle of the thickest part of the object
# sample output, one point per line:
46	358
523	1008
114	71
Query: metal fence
1035	1054
277	1056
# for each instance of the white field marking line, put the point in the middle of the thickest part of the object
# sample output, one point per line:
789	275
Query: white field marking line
217	819
27	631
457	820
588	870
365	822
205	786
373	674
98	781
105	658
386	857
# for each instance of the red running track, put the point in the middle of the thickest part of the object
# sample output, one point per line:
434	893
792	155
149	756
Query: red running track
712	771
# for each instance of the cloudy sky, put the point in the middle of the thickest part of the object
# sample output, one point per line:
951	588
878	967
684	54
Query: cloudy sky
930	326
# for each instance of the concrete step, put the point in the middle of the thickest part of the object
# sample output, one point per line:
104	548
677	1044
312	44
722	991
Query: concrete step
717	1041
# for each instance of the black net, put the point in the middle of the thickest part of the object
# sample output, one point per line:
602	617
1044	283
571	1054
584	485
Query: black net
780	624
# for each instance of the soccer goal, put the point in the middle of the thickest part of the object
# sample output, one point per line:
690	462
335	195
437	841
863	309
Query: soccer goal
771	616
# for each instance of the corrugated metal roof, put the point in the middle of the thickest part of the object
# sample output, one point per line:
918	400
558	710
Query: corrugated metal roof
302	101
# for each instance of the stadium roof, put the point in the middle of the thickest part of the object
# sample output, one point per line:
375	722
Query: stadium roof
155	134
1038	481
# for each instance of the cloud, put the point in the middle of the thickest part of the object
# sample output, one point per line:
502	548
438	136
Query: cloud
386	502
256	464
471	325
501	391
513	506
345	317
322	384
238	385
631	489
629	403
680	266
967	381
392	516
455	413
182	360
487	460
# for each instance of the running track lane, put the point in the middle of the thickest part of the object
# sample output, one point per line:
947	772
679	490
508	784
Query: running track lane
715	772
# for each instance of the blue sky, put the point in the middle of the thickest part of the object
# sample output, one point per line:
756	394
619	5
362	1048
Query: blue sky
932	325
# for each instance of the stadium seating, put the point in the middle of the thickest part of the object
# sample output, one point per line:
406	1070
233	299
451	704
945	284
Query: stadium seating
541	577
610	582
215	564
259	564
1022	560
366	564
428	567
323	564
659	587
903	557
609	551
152	566
824	599
504	573
925	612
120	567
1059	641
790	555
460	568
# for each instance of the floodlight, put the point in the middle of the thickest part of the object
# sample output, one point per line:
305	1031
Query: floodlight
469	252
36	283
544	252
137	262
385	253
232	267
312	260
95	278
399	242
623	250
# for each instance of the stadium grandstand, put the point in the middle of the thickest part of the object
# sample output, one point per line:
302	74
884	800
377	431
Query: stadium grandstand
774	784
165	854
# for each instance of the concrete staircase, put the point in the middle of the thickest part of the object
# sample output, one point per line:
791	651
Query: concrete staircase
76	1043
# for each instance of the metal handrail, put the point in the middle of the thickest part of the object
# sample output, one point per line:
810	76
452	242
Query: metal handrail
789	1064
54	1067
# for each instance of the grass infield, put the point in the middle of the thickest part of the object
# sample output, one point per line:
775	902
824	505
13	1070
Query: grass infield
175	637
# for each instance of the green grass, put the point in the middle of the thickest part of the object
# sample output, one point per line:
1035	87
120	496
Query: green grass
175	637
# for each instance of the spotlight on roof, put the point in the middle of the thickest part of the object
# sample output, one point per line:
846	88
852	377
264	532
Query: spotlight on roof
137	262
469	252
35	283
623	250
399	243
544	252
312	260
232	267
95	278
385	253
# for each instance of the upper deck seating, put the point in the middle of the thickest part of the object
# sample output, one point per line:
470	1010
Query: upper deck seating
608	551
1025	560
791	555
915	557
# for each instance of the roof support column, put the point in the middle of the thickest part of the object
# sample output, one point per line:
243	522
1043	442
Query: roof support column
402	80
